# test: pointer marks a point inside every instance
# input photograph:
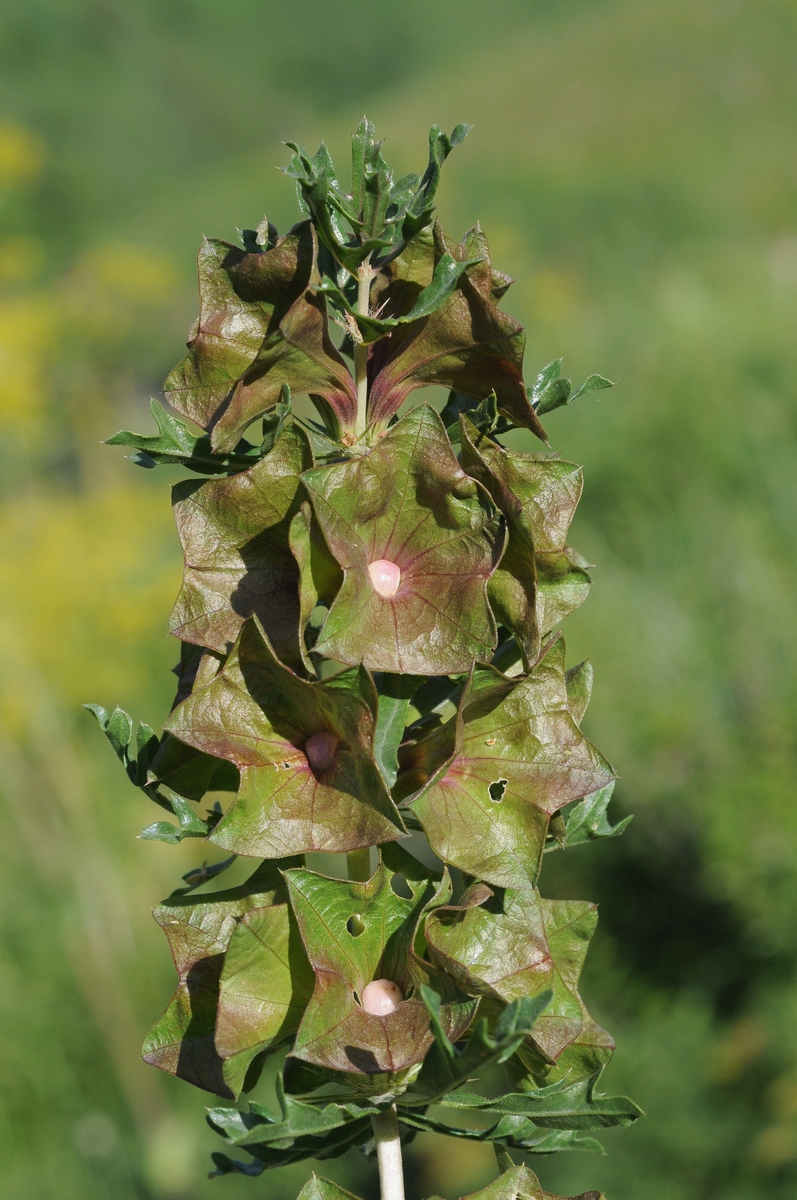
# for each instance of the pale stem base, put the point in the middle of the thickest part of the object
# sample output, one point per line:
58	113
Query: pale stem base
388	1154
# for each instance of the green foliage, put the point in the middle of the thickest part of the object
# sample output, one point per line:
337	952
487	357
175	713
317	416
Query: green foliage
368	630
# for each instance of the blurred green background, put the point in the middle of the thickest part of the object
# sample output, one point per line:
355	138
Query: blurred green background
633	164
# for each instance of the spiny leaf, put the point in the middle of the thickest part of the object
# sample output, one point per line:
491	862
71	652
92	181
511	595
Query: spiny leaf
258	714
587	821
408	502
174	443
511	757
446	1068
446	276
355	933
550	391
575	1106
235	537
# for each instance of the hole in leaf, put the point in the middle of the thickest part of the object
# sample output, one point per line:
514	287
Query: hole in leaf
356	925
497	790
400	886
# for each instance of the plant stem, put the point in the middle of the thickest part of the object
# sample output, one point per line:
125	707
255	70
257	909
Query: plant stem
361	350
358	865
388	1154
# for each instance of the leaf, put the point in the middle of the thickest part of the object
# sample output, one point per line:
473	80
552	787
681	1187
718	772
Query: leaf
320	576
575	1106
118	728
296	1119
259	715
238	561
259	329
587	821
354	933
514	1132
519	949
189	773
578	681
330	1145
420	209
511	757
467	344
483	414
550	391
199	930
540	580
409	502
446	1068
395	695
446	275
190	825
265	984
174	443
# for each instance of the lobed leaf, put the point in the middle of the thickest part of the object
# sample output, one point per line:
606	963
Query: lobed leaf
540	579
408	501
259	329
199	930
357	932
259	715
238	561
175	444
510	758
467	344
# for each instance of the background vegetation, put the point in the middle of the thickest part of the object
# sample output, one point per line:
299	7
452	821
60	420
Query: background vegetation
633	165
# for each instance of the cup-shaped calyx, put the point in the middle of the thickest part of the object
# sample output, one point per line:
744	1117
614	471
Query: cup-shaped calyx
417	540
497	772
261	326
467	344
356	934
505	948
540	578
199	930
304	751
238	560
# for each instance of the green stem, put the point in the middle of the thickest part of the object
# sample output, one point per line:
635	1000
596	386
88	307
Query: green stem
388	1154
358	865
361	350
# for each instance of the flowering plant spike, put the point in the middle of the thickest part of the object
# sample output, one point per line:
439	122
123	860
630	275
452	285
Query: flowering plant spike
371	665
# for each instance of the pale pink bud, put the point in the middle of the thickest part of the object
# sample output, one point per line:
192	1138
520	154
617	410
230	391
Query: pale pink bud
382	996
385	577
320	750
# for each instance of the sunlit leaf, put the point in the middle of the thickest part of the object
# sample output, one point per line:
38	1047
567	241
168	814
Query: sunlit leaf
467	344
238	561
540	578
199	930
258	714
259	329
511	757
523	947
264	988
355	933
175	444
408	502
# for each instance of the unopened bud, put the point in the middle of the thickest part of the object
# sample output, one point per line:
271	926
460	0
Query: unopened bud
385	577
382	996
320	750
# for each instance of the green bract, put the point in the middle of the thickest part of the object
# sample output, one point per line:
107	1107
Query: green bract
370	665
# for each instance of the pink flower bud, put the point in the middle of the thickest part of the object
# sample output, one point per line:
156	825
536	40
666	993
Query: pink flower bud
385	577
381	996
320	750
